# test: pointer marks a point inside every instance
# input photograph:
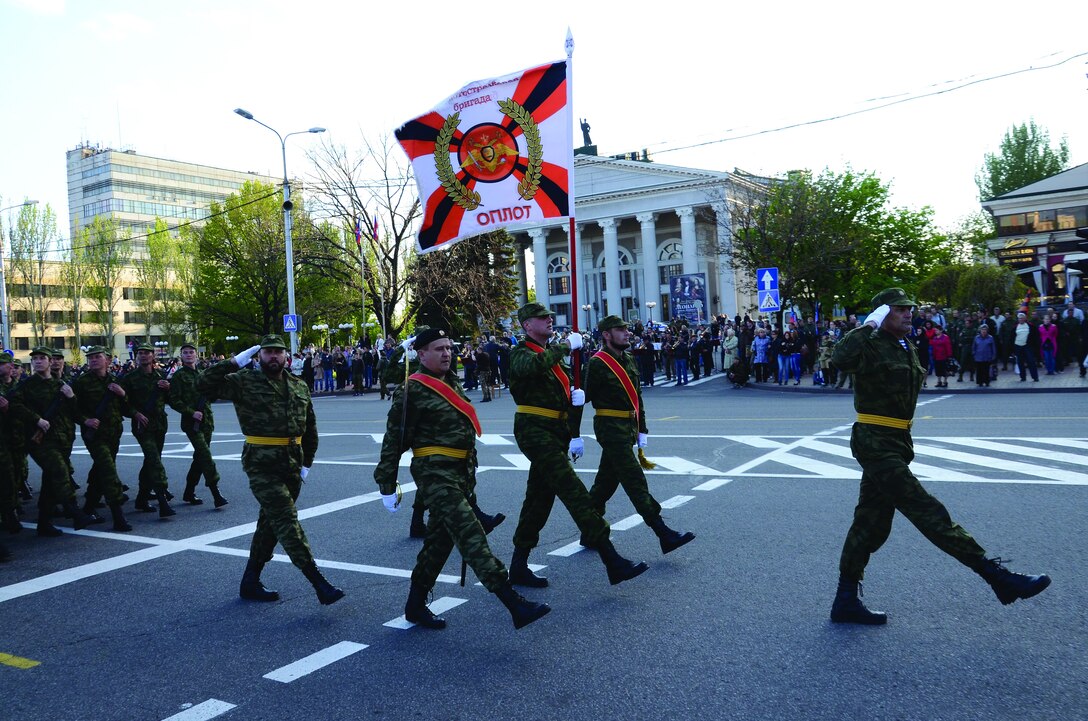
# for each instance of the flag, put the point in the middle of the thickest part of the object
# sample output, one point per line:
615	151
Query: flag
497	153
358	235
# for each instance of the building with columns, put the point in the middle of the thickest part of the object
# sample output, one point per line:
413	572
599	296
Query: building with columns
639	226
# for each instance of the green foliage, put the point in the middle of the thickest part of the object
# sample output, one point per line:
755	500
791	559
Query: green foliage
107	252
1025	157
985	286
942	284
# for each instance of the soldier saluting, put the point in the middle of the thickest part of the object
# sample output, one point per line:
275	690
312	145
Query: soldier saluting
276	415
619	423
546	428
101	404
887	380
148	390
432	415
197	422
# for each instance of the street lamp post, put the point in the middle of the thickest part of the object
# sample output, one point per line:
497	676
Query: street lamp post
348	327
286	216
587	307
3	280
324	327
650	305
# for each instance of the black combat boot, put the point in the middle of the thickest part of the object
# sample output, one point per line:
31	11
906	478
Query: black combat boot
45	522
251	587
326	592
670	539
520	575
10	520
848	607
25	491
163	497
416	611
190	496
143	502
80	520
488	521
522	611
217	496
418	529
1009	586
619	568
5	554
119	523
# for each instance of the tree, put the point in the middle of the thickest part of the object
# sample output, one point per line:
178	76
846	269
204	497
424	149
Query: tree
107	252
75	276
942	284
33	240
1025	156
151	276
985	286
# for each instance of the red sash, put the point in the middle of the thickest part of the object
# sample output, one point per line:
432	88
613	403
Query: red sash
557	370
621	374
450	396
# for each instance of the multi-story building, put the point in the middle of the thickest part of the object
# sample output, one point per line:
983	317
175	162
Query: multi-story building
136	189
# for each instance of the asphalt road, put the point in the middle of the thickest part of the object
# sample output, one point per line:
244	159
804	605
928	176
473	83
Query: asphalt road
148	625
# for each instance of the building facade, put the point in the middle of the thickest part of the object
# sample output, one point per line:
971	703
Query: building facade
651	238
1037	234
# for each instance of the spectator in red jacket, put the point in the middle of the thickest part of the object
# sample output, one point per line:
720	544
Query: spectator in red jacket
941	347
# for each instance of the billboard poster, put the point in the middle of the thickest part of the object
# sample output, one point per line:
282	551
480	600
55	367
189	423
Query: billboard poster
687	297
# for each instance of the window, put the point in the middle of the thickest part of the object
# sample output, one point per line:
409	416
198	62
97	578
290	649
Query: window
559	275
21	316
22	343
671	251
1042	221
57	342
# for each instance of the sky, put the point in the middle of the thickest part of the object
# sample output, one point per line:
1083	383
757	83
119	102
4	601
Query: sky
163	79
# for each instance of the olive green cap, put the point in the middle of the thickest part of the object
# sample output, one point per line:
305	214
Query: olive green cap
611	321
95	349
188	344
272	341
892	297
5	358
57	354
42	350
145	346
533	310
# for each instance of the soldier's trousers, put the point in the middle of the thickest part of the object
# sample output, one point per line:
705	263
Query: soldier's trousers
551	475
152	472
56	483
9	492
277	492
453	523
619	466
888	486
203	463
102	480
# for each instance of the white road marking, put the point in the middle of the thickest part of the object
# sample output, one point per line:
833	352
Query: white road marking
626	524
202	711
683	466
517	460
1004	464
494	439
676	501
568	550
922	470
712	484
438	607
1006	447
315	661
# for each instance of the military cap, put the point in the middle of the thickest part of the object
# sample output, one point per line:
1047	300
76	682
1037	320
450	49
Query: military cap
56	354
532	310
430	335
5	357
145	346
893	297
188	344
42	350
611	321
94	349
272	341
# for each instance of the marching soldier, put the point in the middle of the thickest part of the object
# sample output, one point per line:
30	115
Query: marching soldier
546	428
17	436
148	390
277	417
619	422
432	415
9	492
197	423
47	405
101	405
887	379
59	369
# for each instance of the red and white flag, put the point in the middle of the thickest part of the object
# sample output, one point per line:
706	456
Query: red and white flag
497	153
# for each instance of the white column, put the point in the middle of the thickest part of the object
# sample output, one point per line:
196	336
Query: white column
522	273
651	286
611	267
687	240
727	282
540	262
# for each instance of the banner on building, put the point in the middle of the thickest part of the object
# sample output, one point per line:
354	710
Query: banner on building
497	153
687	296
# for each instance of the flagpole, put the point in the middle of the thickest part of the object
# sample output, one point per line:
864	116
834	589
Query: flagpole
576	356
362	273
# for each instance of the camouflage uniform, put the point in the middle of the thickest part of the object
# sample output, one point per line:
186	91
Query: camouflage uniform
445	485
887	380
617	436
95	400
270	408
144	396
9	492
544	441
18	438
186	400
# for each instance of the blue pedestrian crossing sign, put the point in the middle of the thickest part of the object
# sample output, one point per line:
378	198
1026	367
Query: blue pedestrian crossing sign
766	279
769	301
290	324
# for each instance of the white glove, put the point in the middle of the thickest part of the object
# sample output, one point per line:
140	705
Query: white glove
242	359
575	341
411	355
577	397
643	439
577	448
407	343
304	471
878	315
391	502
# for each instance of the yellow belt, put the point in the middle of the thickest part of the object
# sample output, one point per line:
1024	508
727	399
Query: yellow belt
614	413
545	412
270	441
886	421
422	451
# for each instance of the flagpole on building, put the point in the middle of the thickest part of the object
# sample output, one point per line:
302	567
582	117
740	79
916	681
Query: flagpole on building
576	357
